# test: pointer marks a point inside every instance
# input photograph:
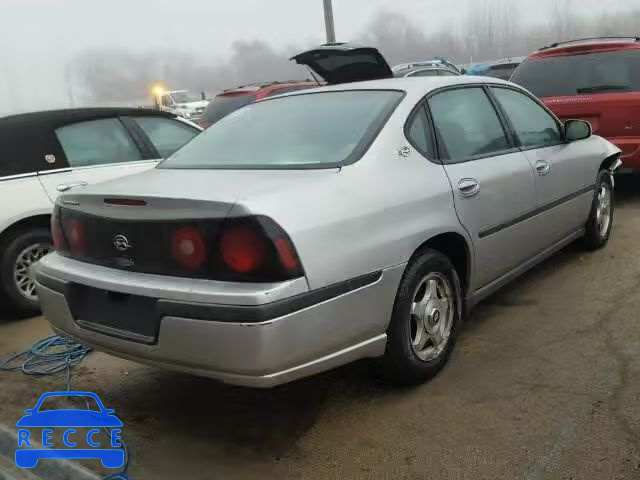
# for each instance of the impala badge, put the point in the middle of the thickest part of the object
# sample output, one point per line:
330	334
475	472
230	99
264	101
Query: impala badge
121	243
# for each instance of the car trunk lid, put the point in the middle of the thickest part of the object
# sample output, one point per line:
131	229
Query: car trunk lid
344	63
143	223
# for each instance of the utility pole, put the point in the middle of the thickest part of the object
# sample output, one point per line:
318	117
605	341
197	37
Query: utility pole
328	21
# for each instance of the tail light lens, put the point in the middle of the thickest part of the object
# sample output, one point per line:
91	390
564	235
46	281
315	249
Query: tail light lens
74	233
243	249
59	242
256	249
187	247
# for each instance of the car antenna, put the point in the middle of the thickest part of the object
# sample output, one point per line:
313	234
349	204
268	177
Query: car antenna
314	77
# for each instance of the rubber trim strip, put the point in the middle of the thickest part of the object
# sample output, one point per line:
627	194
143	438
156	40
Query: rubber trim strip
116	332
240	313
267	311
537	211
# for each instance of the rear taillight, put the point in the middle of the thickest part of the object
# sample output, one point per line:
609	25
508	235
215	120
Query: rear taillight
239	249
59	243
243	249
256	249
187	248
74	233
287	254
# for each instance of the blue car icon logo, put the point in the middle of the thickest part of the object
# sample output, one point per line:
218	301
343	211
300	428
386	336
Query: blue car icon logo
68	420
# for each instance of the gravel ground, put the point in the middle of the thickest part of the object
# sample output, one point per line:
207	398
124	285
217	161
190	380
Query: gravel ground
544	384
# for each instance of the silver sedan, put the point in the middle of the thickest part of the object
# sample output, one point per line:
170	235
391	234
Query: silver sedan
320	227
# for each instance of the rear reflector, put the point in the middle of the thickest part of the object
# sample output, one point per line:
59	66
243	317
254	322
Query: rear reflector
125	202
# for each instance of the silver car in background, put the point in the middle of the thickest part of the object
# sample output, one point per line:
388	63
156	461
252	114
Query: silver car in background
316	228
430	68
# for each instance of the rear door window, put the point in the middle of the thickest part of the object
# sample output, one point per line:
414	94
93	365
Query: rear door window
467	125
586	74
417	131
97	142
533	125
165	134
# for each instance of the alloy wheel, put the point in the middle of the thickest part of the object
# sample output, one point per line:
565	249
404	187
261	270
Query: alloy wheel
432	313
22	269
603	210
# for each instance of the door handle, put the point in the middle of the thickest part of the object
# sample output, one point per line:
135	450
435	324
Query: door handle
543	167
468	187
65	187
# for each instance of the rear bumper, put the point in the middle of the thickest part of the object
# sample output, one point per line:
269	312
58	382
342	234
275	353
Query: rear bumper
259	345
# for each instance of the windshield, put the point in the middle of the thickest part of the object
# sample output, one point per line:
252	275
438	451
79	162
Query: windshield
601	72
308	130
185	97
223	105
503	72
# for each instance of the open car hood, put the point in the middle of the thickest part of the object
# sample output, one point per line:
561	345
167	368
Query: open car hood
345	63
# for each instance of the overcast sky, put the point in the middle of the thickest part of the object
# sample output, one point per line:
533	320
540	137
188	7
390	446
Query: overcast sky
38	37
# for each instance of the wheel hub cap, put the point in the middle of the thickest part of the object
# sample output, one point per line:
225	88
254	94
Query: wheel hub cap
431	316
434	317
603	210
22	269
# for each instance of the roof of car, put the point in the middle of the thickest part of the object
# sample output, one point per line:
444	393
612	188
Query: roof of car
409	71
254	87
408	84
587	45
70	115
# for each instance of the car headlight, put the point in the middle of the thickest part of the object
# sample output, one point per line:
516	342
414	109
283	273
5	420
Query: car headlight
186	114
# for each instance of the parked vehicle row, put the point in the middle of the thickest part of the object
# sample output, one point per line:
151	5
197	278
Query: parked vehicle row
597	80
279	243
44	154
431	68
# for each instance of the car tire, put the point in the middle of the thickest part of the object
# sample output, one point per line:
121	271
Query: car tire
600	222
25	246
408	360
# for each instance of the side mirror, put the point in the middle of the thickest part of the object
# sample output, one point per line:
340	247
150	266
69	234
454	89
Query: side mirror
576	130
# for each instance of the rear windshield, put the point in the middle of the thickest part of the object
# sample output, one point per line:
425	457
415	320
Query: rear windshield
300	131
503	72
586	74
223	105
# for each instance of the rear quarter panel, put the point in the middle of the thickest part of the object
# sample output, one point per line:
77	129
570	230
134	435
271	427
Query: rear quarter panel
22	198
369	216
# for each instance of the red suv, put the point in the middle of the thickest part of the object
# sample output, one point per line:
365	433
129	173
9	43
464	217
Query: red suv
230	100
595	79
